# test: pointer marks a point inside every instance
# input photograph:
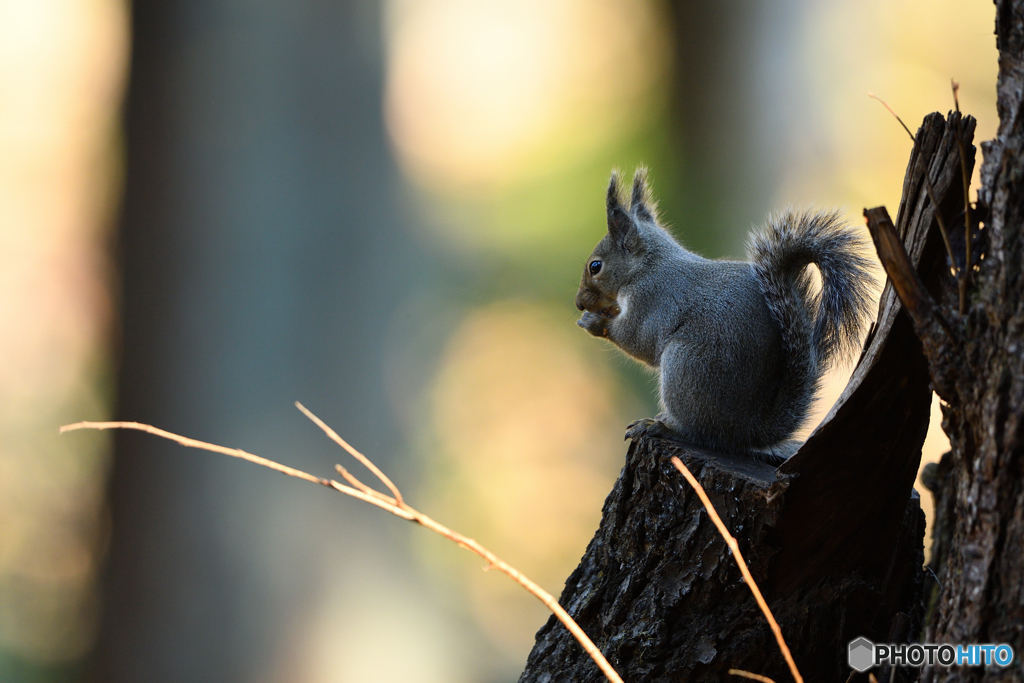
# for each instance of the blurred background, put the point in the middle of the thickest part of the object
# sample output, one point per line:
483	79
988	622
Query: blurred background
210	209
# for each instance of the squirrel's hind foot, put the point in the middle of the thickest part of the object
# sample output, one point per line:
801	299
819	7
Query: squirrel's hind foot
652	427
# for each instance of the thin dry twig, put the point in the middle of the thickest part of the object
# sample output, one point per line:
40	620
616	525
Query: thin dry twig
886	105
351	451
396	506
753	677
929	189
968	275
194	443
371	498
735	548
350	478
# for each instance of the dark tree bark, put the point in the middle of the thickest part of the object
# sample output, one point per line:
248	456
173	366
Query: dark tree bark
979	373
833	537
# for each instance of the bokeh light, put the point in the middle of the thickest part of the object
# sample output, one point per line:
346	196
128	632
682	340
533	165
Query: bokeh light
493	107
525	415
850	151
482	93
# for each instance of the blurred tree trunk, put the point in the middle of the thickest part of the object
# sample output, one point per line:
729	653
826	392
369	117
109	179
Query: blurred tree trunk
262	254
715	145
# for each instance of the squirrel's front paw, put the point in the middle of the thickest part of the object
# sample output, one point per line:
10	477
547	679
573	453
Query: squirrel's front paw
648	427
593	323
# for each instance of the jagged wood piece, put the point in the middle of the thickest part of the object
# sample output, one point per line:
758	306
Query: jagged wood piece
833	537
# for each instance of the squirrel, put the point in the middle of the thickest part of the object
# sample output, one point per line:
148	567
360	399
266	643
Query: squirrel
740	347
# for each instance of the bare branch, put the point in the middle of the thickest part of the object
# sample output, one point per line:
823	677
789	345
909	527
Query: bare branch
194	443
753	677
350	478
395	506
886	105
353	452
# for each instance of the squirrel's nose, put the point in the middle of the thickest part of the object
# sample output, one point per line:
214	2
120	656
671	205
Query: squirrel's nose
579	302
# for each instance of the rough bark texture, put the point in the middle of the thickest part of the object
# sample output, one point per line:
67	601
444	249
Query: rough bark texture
657	562
833	537
979	533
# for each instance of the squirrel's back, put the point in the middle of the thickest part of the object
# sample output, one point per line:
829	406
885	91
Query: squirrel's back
725	368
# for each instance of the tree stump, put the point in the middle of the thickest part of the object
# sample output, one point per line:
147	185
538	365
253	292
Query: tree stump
660	594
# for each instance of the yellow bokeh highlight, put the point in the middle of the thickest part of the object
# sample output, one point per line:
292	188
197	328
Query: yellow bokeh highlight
529	444
483	93
854	153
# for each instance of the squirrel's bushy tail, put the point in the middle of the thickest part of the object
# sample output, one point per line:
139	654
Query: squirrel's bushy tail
826	328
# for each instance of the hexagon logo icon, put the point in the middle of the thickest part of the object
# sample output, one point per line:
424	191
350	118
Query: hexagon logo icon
861	655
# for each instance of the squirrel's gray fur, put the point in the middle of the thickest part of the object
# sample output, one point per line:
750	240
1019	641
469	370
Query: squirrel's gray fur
741	346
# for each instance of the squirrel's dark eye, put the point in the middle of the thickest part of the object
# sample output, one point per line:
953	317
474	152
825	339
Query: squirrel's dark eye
595	267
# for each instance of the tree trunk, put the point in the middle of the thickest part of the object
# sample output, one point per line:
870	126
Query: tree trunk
661	596
979	536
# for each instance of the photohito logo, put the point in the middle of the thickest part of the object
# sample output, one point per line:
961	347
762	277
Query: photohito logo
863	654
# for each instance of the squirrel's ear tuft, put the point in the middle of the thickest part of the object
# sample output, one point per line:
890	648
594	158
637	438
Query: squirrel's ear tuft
614	198
620	223
641	203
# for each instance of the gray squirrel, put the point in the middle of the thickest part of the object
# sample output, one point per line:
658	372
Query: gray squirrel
741	347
